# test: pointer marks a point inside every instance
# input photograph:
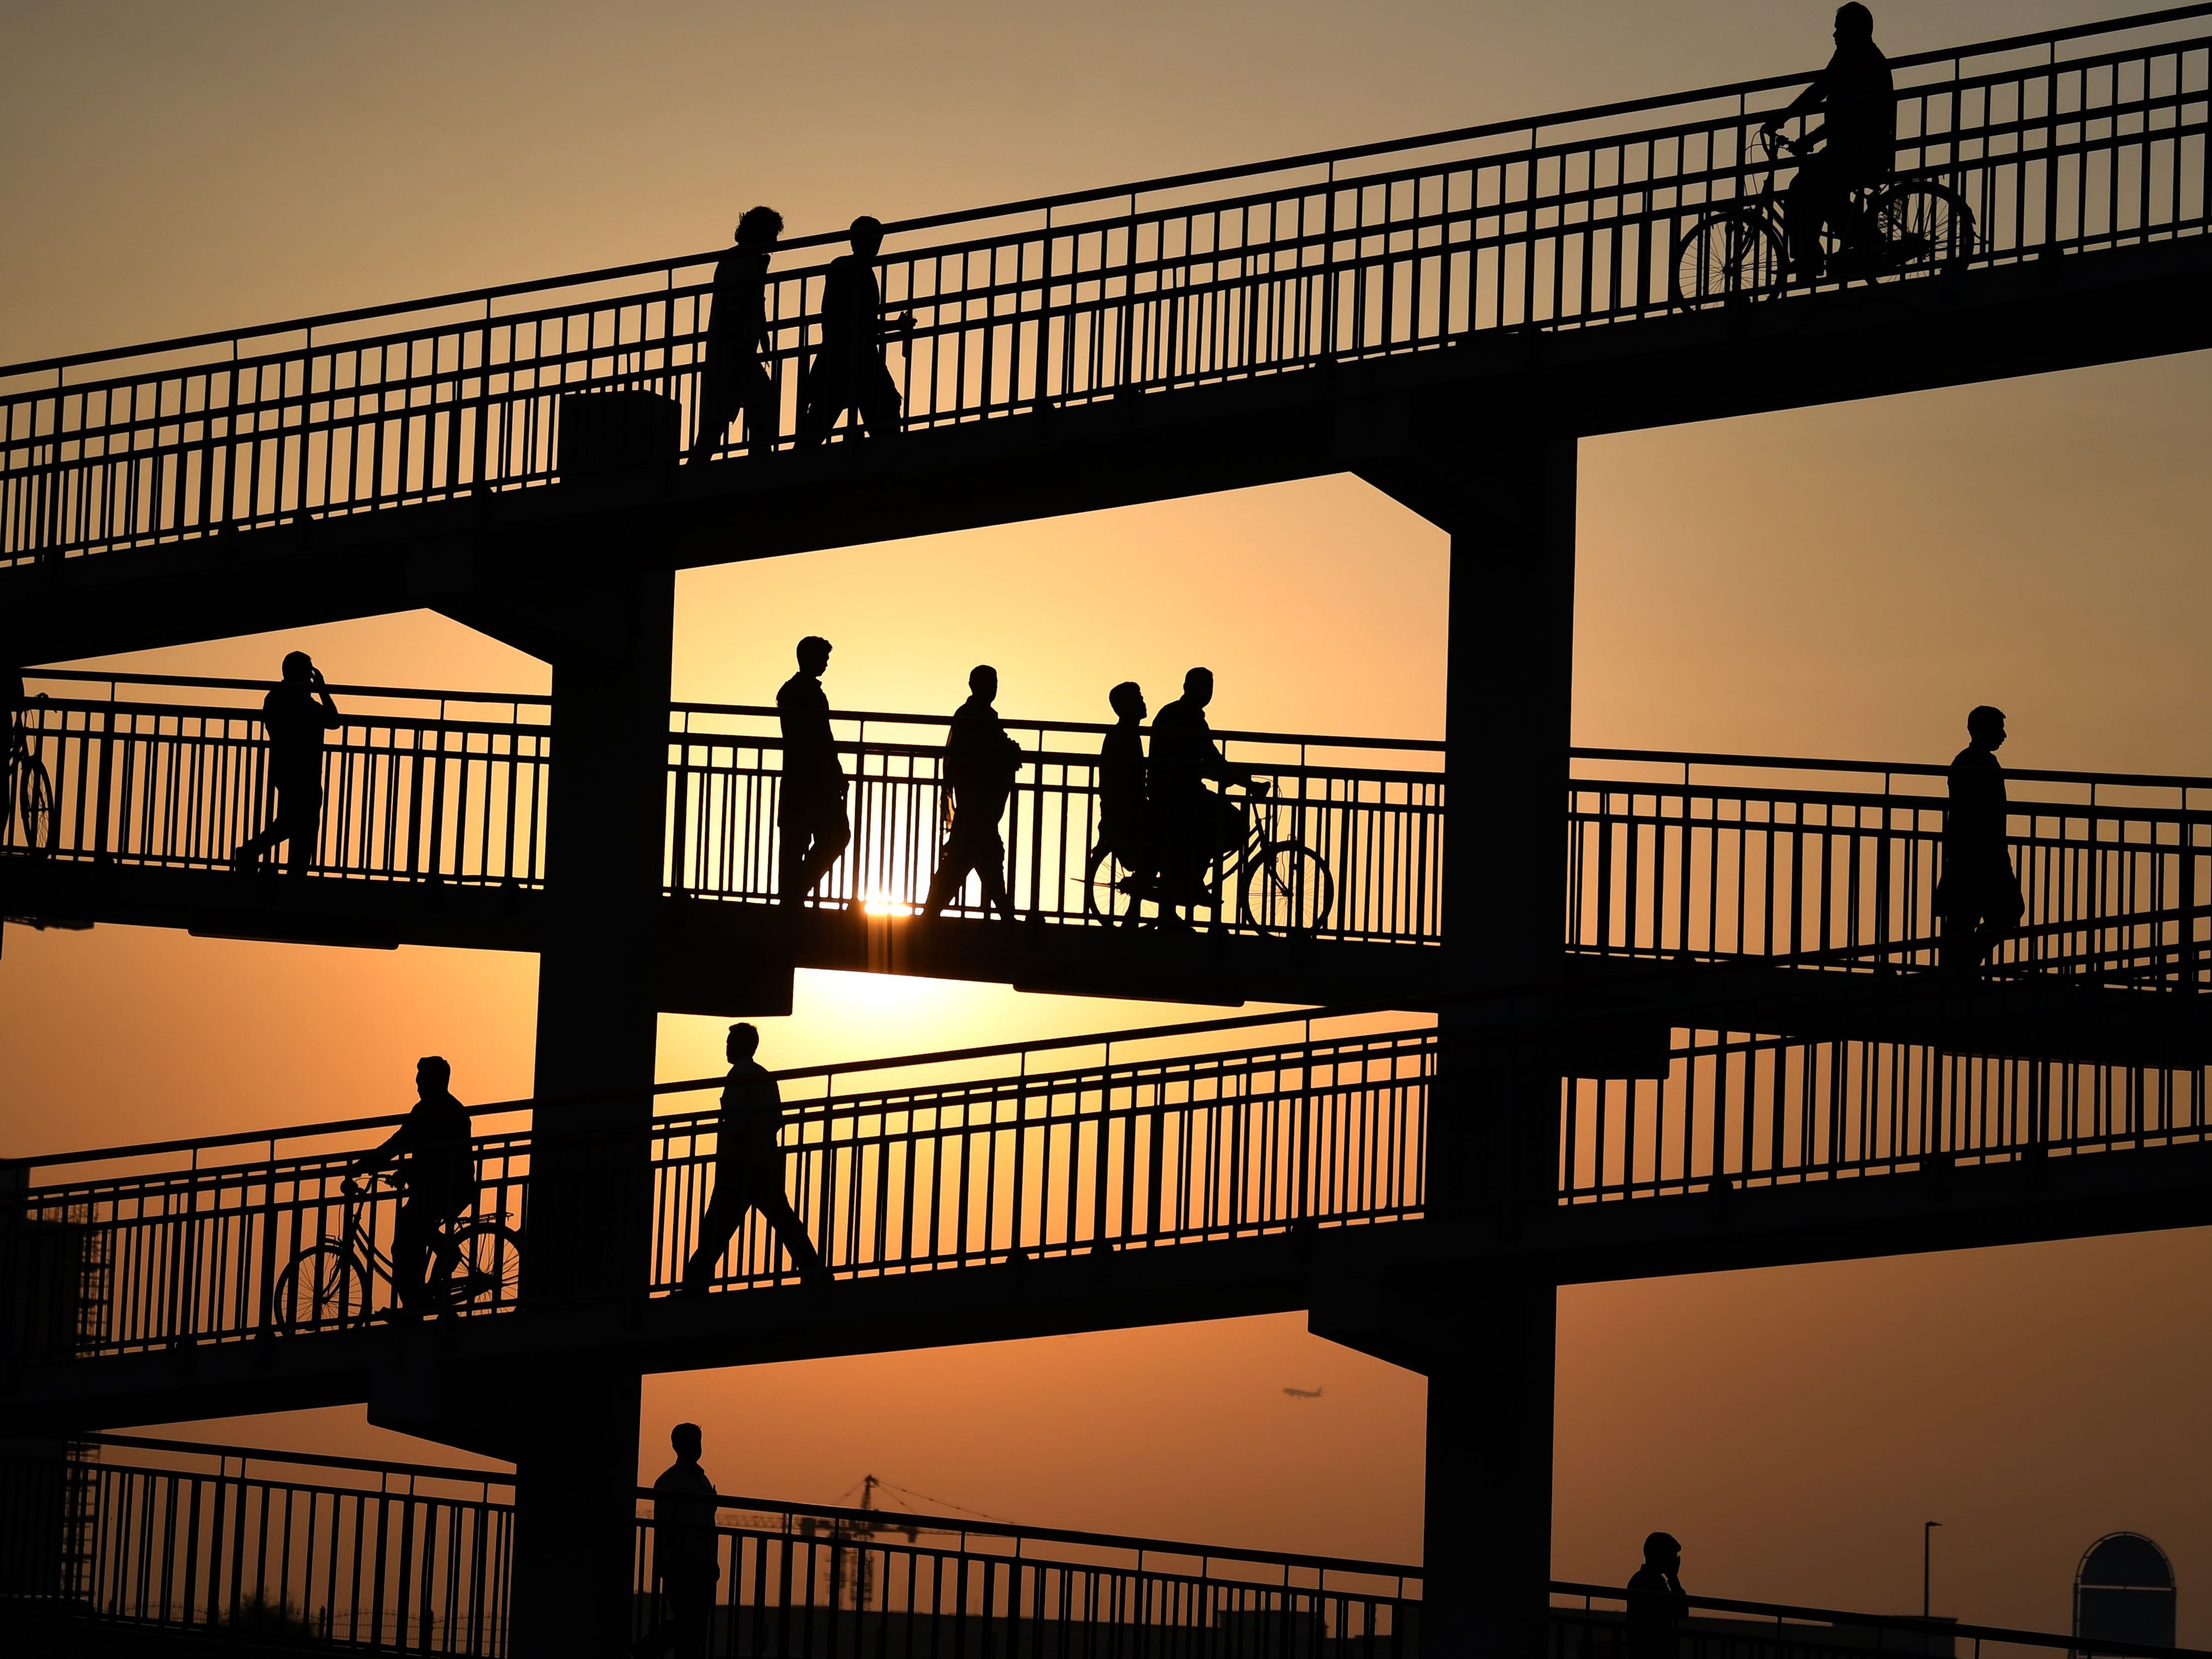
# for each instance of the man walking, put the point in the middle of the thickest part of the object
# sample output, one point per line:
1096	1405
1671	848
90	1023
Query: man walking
296	714
812	811
1124	809
436	1163
980	763
1979	899
848	372
737	336
684	1558
1656	1602
749	1169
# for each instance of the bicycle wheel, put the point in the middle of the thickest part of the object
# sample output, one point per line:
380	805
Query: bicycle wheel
1925	225
31	821
1107	884
1732	254
1287	889
490	1268
321	1286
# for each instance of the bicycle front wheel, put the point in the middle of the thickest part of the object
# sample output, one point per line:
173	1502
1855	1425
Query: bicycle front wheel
1287	889
31	821
1733	253
1926	225
490	1268
321	1286
1109	886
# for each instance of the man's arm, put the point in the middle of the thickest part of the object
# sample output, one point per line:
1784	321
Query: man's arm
332	718
1814	96
384	1156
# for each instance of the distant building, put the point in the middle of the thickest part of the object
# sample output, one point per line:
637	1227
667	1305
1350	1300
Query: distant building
2123	1591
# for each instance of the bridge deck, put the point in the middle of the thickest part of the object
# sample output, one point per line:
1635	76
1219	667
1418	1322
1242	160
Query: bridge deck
1058	342
1140	1177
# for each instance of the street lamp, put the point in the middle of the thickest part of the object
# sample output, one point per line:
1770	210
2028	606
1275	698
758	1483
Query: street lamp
1927	1560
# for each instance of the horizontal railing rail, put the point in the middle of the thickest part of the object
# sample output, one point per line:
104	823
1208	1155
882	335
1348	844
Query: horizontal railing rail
2066	142
1159	1138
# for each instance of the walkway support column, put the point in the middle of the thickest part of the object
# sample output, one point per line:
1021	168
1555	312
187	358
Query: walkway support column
1487	1347
574	1430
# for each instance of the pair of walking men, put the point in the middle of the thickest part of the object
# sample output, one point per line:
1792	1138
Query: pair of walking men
847	370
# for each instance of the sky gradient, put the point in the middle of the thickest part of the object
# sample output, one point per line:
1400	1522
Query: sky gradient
1842	581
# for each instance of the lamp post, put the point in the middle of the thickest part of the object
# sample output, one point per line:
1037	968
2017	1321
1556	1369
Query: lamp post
1927	1560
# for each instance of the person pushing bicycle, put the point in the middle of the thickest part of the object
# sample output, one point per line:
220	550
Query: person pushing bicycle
1854	148
433	1159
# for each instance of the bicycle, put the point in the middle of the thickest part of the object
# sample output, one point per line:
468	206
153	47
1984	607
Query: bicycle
1283	885
28	819
1740	250
331	1283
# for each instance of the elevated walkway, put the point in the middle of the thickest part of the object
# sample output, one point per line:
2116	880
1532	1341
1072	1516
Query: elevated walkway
293	1551
1226	1168
1752	892
1360	310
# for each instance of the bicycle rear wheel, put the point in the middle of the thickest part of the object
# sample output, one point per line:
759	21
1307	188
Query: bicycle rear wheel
1733	253
1287	889
1925	225
1107	888
489	1268
321	1286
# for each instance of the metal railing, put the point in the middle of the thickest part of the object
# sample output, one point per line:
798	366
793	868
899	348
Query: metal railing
1129	1139
278	1549
1711	857
1165	1137
2064	142
1671	856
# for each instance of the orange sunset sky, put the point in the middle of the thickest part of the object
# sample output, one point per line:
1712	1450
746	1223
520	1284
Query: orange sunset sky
1838	581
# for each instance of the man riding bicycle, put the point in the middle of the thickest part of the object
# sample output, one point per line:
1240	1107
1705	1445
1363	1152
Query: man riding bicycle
1854	149
1191	824
439	1169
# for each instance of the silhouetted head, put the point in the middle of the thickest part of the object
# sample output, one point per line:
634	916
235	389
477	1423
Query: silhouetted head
1662	1551
759	228
298	664
432	1076
1985	726
814	654
685	1440
1853	22
1198	686
983	680
1128	700
867	236
743	1043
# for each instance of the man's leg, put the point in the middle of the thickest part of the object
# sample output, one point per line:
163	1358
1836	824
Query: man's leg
790	1232
1805	210
300	811
832	833
953	865
990	862
410	1255
721	1222
757	400
878	400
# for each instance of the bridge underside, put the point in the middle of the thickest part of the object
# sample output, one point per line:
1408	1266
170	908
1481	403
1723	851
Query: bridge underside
1366	1286
1397	420
1609	1016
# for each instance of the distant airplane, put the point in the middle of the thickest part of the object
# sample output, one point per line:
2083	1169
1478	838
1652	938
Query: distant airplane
1303	1394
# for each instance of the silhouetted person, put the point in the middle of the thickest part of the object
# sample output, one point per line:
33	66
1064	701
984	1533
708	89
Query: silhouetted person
684	1558
1978	898
749	1169
1192	823
848	372
980	762
436	1165
296	714
1656	1604
812	811
1125	826
735	379
1854	148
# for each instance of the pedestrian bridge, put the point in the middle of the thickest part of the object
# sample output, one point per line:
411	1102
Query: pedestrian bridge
135	1538
1248	1165
433	832
2056	182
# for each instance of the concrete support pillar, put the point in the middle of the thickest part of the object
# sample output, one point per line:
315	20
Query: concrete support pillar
1487	1348
590	1214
